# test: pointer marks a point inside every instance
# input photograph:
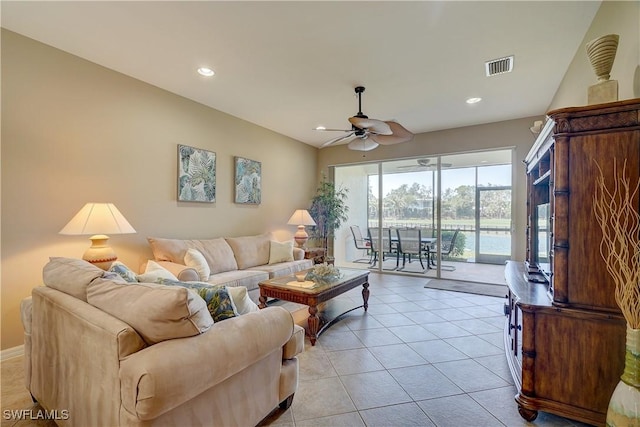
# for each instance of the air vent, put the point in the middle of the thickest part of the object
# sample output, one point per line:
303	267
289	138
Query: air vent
499	66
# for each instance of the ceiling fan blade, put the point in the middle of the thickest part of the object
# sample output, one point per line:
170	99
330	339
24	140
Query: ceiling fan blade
374	126
362	144
338	139
400	134
333	130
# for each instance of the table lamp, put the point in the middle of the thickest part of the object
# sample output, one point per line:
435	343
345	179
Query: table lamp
97	220
301	218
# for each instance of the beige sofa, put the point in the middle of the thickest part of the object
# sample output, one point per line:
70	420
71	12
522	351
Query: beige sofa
103	352
232	261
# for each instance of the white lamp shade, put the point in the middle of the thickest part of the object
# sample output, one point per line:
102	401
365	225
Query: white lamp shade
301	217
98	218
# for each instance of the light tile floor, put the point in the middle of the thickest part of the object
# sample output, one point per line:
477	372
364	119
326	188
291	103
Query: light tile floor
418	357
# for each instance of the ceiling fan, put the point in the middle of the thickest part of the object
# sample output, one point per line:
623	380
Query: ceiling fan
424	164
366	134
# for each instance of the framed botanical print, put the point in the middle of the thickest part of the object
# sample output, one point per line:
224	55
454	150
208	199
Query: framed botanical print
248	181
196	175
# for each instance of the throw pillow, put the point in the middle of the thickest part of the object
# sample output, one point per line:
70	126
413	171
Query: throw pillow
156	312
280	252
194	258
241	300
216	297
123	271
153	272
70	275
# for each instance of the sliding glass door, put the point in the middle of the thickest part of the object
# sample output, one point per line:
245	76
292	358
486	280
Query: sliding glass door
464	195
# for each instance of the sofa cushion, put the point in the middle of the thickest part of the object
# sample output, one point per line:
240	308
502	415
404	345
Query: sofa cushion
70	275
284	268
280	251
217	252
154	271
123	271
246	278
250	251
241	300
219	302
194	258
156	312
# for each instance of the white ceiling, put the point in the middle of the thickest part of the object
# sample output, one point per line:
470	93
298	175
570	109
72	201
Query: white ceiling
291	66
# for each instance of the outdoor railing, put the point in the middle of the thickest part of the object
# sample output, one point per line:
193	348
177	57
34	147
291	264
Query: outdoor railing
463	227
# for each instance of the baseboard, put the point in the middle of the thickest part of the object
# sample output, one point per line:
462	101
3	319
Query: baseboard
12	352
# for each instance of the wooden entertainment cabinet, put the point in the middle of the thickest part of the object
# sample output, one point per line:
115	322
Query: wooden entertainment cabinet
565	335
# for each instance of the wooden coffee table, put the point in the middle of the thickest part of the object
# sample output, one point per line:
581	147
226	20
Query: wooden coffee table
312	294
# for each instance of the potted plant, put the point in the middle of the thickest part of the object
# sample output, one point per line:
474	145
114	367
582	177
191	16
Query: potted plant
329	210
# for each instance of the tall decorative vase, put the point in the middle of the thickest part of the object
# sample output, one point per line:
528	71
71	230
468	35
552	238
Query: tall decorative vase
601	53
624	406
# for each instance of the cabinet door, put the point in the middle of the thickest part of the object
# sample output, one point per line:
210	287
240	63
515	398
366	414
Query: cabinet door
588	281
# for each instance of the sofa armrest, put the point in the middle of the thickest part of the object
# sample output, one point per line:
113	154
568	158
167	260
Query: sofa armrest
151	386
298	254
295	345
182	272
75	346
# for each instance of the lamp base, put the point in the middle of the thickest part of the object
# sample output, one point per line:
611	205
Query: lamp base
99	253
301	236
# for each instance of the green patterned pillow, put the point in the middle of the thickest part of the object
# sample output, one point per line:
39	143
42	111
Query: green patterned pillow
217	297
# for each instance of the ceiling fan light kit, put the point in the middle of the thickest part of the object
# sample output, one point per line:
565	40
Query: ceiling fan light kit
362	144
370	132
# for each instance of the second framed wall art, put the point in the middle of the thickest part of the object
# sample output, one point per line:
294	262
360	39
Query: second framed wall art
248	185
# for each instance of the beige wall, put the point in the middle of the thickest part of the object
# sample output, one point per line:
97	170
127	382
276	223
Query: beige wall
613	17
75	132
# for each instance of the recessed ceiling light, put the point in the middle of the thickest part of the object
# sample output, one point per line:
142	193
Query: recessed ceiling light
320	128
207	72
473	100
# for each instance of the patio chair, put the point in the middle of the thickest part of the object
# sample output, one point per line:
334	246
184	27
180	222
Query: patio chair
427	247
380	253
448	243
361	244
409	244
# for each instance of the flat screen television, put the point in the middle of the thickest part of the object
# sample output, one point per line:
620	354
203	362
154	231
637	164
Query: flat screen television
543	239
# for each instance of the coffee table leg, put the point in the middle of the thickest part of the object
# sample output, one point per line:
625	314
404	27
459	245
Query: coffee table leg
365	295
263	301
313	322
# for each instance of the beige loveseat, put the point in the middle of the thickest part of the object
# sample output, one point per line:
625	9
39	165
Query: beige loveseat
231	261
103	352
